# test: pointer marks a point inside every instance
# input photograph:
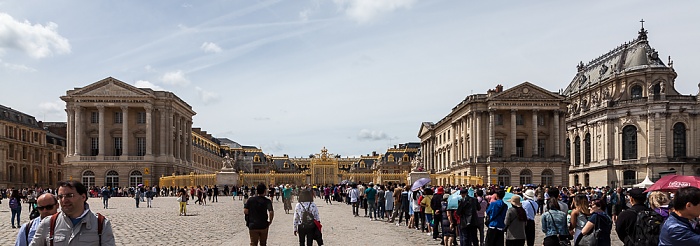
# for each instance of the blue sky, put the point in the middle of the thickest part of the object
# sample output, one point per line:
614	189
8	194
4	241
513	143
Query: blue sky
295	76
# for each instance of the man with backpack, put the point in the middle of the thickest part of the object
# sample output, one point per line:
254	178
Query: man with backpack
75	224
47	205
639	225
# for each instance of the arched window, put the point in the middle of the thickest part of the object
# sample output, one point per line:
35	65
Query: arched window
629	142
587	142
586	180
525	177
568	150
577	151
390	158
636	92
112	179
657	91
405	158
504	177
88	178
362	164
547	177
679	140
629	177
135	178
256	158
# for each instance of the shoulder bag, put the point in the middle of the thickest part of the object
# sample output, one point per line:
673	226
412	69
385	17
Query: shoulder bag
563	239
591	239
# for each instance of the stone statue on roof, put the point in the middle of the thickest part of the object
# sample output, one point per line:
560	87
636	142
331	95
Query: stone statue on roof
228	166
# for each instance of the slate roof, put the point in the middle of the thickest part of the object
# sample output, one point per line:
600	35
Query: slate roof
11	115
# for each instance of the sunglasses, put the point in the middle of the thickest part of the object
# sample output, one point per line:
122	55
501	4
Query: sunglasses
40	208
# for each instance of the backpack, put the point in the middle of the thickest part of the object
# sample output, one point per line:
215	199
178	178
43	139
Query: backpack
14	204
100	226
307	219
647	228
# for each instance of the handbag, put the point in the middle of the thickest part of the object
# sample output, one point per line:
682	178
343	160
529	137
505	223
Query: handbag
563	239
179	199
592	238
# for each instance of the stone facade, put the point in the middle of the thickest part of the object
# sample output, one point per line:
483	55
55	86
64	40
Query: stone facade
510	137
626	120
30	155
120	135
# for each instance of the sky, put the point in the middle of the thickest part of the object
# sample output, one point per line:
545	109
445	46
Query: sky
292	77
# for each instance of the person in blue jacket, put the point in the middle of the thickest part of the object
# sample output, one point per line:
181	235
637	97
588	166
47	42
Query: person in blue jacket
679	228
496	219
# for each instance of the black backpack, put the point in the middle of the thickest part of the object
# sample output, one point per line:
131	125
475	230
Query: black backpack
307	219
647	228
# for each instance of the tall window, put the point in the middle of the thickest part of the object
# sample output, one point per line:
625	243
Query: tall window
541	147
629	177
112	179
525	177
141	118
540	120
586	180
50	156
11	151
629	142
547	177
88	178
636	92
135	178
577	151
576	180
94	146
140	146
587	142
498	147
520	147
568	150
11	174
679	140
499	119
94	117
504	177
118	117
519	120
117	146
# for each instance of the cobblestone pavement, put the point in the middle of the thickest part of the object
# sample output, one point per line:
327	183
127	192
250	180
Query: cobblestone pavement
222	224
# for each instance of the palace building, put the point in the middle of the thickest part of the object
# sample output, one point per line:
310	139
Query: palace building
508	137
31	153
627	121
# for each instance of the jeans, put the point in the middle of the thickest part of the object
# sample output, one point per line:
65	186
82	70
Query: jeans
355	208
429	219
258	236
105	201
467	236
380	209
137	202
371	206
16	212
148	201
404	213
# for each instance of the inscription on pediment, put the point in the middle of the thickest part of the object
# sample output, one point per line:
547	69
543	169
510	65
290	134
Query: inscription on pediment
111	90
523	93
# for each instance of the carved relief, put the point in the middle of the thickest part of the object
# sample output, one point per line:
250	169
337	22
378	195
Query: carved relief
111	90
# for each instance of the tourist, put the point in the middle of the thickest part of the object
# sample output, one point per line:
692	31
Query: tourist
553	223
435	204
598	221
137	197
305	215
531	207
381	201
497	215
215	194
327	194
680	228
257	220
106	194
362	201
428	210
397	202
619	203
658	201
627	219
553	192
149	197
515	221
468	219
354	199
579	215
389	204
448	222
415	208
404	204
481	214
371	197
15	207
47	205
287	198
182	200
73	195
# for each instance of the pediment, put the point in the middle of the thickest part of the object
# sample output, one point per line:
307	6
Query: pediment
110	87
425	128
527	91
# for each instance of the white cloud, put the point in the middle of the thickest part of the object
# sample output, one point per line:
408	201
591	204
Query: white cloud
209	47
206	97
56	105
147	84
364	11
275	146
37	40
16	67
372	135
175	78
149	68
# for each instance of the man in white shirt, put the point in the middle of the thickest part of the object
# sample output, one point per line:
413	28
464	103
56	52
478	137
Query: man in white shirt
530	205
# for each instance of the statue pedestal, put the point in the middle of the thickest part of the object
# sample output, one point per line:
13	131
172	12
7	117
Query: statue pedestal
227	177
413	176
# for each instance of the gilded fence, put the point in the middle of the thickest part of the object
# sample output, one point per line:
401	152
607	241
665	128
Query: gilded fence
188	180
451	179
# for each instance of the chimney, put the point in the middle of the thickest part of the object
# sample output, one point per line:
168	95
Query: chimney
374	153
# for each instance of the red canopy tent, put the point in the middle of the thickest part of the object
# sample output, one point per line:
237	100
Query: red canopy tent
674	182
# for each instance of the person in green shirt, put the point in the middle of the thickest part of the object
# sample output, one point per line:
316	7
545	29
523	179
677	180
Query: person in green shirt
287	198
371	196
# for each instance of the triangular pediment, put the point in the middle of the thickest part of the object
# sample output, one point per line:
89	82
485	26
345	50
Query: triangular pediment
527	91
110	87
425	128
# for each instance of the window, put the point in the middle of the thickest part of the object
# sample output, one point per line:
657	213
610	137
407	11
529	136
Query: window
112	179
629	177
25	175
94	146
697	172
568	150
11	132
88	179
11	151
118	117
587	142
286	164
94	117
390	158
405	158
117	146
140	146
679	140
577	151
586	180
499	119
498	147
256	158
636	92
362	164
547	177
51	177
504	177
541	147
519	120
50	156
629	142
24	135
36	137
11	174
525	177
576	180
520	147
448	135
540	120
24	152
135	178
141	118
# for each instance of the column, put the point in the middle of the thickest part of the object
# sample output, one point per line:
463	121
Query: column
78	130
125	130
70	132
162	143
513	137
188	143
149	130
492	131
101	119
474	138
662	135
534	133
178	128
171	133
465	144
556	133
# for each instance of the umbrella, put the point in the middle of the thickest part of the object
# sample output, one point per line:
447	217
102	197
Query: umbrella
420	183
507	197
453	200
140	184
344	182
674	182
530	185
